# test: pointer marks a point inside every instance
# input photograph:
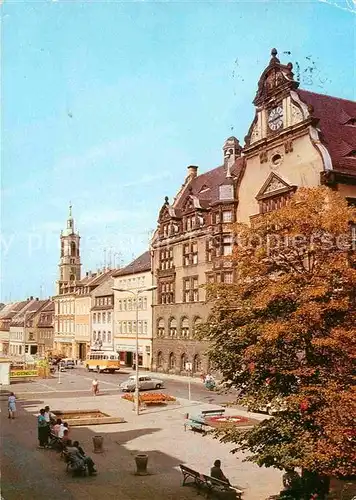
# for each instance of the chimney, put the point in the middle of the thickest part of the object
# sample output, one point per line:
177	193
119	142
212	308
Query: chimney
192	171
87	273
31	298
37	298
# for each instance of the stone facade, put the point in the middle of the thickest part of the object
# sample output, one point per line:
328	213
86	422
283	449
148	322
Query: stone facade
297	138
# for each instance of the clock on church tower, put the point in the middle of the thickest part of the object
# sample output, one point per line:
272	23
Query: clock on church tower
275	118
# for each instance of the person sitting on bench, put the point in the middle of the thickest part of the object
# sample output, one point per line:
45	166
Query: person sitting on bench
77	456
217	473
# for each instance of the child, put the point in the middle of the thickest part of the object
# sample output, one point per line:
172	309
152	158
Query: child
12	405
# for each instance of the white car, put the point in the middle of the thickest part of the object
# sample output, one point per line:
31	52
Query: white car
144	383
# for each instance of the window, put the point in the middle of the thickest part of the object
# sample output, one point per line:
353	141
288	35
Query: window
227	216
190	223
129	327
172	327
145	329
217	218
209	250
274	203
166	259
160	327
191	289
228	277
227	244
144	303
109	338
124	327
134	327
140	302
104	317
195	290
190	253
104	336
94	318
186	289
129	304
140	327
195	253
166	292
159	359
185	328
124	305
99	317
109	317
172	361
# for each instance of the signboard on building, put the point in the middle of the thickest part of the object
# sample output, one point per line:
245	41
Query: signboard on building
23	373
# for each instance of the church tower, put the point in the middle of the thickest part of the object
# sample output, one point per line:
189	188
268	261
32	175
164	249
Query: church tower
69	265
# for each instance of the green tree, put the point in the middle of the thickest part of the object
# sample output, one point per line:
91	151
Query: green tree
284	334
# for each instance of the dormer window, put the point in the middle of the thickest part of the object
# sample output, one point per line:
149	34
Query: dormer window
351	122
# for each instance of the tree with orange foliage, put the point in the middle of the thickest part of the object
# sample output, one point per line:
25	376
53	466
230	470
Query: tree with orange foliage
284	333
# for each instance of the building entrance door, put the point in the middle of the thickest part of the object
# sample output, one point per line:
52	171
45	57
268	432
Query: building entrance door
129	359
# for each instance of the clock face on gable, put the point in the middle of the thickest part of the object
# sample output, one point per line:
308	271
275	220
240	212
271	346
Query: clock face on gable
275	118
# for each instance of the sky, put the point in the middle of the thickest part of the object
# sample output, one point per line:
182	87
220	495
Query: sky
105	104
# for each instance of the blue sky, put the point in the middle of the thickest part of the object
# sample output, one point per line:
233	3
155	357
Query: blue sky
106	104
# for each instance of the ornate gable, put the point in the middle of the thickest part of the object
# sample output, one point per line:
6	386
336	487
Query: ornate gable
274	185
188	205
164	214
276	79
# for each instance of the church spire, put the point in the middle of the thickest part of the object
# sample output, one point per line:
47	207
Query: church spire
70	220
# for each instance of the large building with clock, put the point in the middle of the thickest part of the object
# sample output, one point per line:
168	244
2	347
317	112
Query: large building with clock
296	138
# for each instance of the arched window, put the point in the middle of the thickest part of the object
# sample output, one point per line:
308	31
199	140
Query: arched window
185	327
172	327
172	361
73	249
72	277
183	361
159	359
160	327
197	323
196	364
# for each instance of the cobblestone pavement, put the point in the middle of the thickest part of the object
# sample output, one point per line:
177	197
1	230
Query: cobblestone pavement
30	473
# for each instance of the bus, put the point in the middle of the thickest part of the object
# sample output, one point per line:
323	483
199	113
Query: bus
101	361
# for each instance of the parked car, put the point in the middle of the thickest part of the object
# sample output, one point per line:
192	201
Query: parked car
144	383
68	363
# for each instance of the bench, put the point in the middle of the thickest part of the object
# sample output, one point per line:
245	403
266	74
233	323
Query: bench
221	489
214	487
196	424
212	413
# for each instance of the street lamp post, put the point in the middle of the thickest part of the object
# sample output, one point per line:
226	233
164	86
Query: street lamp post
136	294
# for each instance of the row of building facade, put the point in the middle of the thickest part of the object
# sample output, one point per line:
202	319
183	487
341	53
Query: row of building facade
296	138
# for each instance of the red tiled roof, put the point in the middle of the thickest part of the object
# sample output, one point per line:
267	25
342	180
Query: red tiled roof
139	265
12	309
33	307
212	180
336	135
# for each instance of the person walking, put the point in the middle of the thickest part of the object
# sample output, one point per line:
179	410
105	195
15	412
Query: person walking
95	387
12	405
42	428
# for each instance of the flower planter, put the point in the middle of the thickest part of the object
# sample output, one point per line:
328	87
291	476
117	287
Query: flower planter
141	464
